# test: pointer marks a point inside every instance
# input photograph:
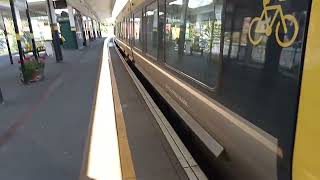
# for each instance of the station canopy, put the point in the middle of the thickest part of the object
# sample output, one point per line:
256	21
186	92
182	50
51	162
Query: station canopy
96	9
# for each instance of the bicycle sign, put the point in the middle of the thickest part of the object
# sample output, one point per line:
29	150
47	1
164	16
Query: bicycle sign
264	25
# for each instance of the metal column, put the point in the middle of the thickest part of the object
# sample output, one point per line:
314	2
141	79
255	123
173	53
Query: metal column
54	31
1	97
73	25
83	28
34	47
6	36
88	27
16	29
93	29
96	28
99	24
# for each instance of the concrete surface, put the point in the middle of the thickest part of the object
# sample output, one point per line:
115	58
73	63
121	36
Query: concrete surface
43	126
152	155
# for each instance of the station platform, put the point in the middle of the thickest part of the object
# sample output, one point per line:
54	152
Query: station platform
148	148
152	156
44	125
88	120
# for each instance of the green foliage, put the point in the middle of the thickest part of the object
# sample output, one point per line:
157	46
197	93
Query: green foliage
192	32
31	67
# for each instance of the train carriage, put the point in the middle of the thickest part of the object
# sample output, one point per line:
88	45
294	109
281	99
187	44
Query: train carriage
236	71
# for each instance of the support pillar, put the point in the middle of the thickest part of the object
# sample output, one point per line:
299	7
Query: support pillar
93	29
34	47
96	28
88	27
54	31
72	24
100	35
83	28
182	34
1	97
16	29
232	31
6	36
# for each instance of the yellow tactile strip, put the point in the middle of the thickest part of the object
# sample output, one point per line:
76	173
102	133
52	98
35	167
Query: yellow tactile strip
127	167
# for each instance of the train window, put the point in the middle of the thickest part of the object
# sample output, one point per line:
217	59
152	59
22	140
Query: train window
128	29
117	29
152	29
261	69
161	33
124	29
138	37
131	30
193	34
120	30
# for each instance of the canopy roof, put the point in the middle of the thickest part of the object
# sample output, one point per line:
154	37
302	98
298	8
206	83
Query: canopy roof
96	9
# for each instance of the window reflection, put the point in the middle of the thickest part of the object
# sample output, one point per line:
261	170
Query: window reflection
261	82
193	30
138	30
127	29
131	30
152	29
124	29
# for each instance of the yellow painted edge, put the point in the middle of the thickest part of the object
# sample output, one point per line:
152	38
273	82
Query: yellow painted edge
127	167
306	160
18	37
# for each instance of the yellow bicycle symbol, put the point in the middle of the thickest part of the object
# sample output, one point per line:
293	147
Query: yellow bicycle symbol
265	24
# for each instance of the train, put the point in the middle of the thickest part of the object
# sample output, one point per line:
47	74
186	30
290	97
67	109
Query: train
243	74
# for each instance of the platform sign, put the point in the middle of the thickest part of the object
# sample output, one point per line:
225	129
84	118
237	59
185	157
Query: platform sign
61	4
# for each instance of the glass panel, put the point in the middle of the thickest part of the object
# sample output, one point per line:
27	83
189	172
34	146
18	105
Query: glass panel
261	67
193	30
127	29
152	29
138	37
116	32
124	29
131	35
162	26
121	26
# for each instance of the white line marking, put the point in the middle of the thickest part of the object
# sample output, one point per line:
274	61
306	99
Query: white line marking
104	158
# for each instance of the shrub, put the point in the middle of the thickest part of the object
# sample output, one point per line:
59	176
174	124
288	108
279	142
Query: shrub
31	68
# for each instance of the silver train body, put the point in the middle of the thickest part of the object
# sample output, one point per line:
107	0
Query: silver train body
238	98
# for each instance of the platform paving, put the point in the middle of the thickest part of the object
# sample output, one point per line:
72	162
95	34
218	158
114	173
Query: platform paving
43	126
